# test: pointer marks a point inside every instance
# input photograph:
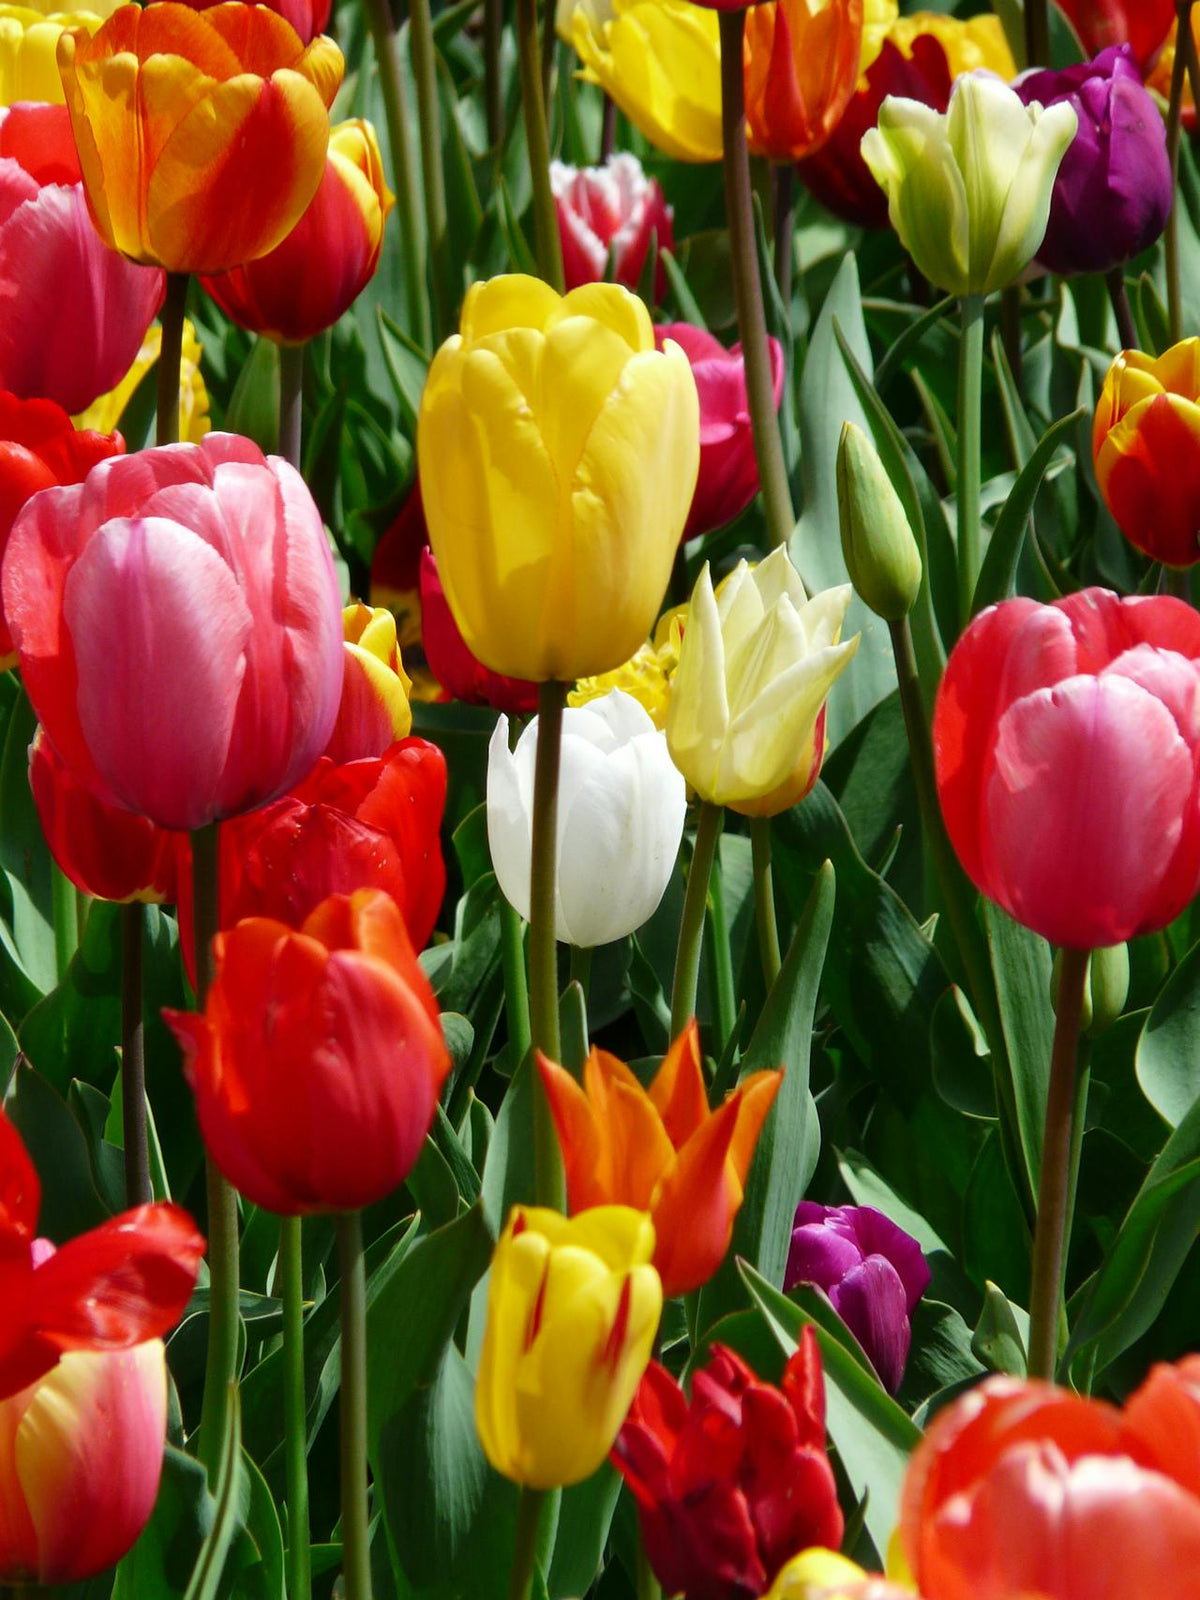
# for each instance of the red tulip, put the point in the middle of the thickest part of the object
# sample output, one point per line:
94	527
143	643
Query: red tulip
1066	740
40	447
123	1282
73	313
177	622
319	1058
733	1484
1142	23
610	210
728	479
308	17
461	674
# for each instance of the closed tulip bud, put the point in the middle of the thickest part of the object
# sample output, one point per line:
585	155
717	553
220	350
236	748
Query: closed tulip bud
621	808
1143	24
202	135
746	722
156	585
318	1060
374	709
306	283
308	17
555	510
1065	743
801	66
573	1307
878	547
610	209
460	674
969	191
1105	989
29	45
661	1151
72	314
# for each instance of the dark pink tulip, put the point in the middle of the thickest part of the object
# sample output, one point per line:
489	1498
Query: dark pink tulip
1066	740
614	208
177	621
728	478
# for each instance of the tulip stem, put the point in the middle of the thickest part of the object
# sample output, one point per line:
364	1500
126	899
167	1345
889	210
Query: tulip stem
747	286
516	988
720	960
404	171
1055	1183
220	1372
1119	296
608	129
1174	126
543	946
783	193
493	83
533	102
138	1189
691	926
967	489
170	355
525	1543
764	899
356	1552
1037	34
291	398
65	918
429	122
295	1408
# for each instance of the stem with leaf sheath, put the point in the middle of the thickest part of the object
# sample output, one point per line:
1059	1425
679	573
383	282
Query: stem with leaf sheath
764	899
170	355
524	1565
691	925
295	1409
356	1551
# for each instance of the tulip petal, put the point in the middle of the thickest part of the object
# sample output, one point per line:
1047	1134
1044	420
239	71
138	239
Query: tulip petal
677	1090
1146	467
933	225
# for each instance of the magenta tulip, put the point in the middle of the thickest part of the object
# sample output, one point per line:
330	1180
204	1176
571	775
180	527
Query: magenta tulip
177	621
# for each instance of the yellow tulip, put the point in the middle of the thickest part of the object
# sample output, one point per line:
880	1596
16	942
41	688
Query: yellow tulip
660	62
573	1305
745	724
28	45
824	1575
104	414
968	43
558	452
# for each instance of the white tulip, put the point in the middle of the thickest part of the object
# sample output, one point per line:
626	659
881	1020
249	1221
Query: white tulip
621	804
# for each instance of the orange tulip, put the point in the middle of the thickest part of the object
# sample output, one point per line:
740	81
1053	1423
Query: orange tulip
661	1150
201	135
801	67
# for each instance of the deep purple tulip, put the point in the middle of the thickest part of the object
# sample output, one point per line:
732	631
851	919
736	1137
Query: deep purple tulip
1113	192
872	1271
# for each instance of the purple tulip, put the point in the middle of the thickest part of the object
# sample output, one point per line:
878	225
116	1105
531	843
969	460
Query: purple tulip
872	1271
1113	192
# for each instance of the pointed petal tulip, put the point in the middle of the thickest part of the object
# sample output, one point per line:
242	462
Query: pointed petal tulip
801	67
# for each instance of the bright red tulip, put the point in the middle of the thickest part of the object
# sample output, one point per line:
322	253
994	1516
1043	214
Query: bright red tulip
610	210
73	313
461	674
1142	23
318	1061
734	1483
178	626
114	1286
1066	740
308	17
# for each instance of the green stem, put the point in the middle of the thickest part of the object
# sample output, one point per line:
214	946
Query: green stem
295	1409
66	919
648	1586
764	899
549	49
138	1189
220	1372
970	387
783	193
493	82
524	1565
404	170
356	1553
169	356
1037	34
429	121
691	925
719	955
1054	1187
516	988
747	288
291	402
1119	296
1174	126
533	102
543	947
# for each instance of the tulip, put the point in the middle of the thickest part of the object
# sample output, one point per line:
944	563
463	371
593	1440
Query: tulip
878	547
969	43
558	452
1024	1489
646	676
105	413
1113	193
112	1287
81	1452
969	191
1143	24
728	478
1146	445
736	1482
1065	740
307	17
373	711
73	313
306	283
746	722
176	621
801	67
659	61
202	135
662	1151
610	208
621	809
822	1575
872	1271
28	46
318	1060
39	448
396	565
573	1306
452	664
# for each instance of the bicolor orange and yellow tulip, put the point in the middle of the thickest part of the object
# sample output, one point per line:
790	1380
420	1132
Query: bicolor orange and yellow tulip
374	710
801	67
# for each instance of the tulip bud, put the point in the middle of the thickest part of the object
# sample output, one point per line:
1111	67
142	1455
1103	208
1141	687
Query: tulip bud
1105	989
573	1307
880	552
374	709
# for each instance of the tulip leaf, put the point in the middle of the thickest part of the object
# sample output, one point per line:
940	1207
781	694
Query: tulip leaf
1000	1334
1168	1051
406	367
159	1564
685	300
908	341
1021	965
231	1497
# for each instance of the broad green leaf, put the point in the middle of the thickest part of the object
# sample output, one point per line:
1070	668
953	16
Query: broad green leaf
1021	965
1168	1051
160	1563
998	574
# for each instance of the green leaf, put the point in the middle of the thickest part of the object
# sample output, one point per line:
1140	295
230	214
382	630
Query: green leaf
584	1518
1021	964
1000	1334
232	1495
254	406
159	1564
1168	1051
906	342
998	574
685	300
406	367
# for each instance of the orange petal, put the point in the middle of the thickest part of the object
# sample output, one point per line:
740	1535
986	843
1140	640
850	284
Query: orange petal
635	1148
754	1098
678	1093
579	1138
695	1207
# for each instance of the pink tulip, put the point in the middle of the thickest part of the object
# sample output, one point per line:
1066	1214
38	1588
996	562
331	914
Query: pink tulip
81	1453
73	313
178	627
1067	742
728	478
610	208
